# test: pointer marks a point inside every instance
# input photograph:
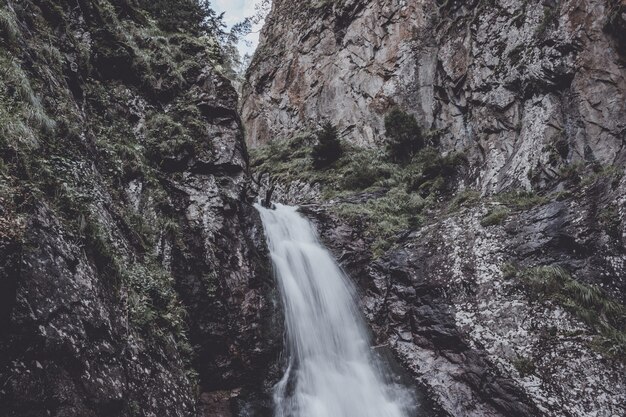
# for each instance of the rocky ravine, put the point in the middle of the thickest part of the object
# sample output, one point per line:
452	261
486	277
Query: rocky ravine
445	303
134	278
534	96
522	87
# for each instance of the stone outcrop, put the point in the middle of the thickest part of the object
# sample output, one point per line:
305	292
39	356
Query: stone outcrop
522	88
134	278
476	337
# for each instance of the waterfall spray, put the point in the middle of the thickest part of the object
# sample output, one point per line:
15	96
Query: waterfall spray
331	370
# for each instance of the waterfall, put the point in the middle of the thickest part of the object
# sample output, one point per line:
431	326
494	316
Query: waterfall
331	370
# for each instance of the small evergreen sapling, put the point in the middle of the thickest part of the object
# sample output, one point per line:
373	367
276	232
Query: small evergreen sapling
328	147
404	136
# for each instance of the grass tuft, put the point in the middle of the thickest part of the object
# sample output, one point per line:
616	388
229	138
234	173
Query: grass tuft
495	217
589	303
8	24
521	200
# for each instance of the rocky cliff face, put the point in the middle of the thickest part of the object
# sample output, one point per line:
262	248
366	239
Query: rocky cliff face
463	305
522	87
500	283
134	279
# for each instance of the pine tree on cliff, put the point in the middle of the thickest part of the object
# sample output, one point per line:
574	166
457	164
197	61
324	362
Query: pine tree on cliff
328	147
194	16
404	136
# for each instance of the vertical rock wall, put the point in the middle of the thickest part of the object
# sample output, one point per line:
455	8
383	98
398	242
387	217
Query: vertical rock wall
522	88
134	278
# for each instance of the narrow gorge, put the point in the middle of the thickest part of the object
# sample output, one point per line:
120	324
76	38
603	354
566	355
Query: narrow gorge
404	208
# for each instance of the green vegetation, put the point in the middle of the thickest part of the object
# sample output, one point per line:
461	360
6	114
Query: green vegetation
521	200
589	303
495	216
509	271
610	174
403	192
367	168
8	24
193	16
70	147
549	18
610	220
587	175
404	136
462	199
387	216
167	139
328	149
525	366
22	116
572	172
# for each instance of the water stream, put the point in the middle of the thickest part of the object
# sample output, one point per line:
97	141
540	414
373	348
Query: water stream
331	370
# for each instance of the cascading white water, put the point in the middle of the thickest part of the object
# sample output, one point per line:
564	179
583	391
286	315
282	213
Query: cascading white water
331	370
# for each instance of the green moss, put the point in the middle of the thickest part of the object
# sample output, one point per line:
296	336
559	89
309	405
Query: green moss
73	147
562	195
367	168
572	172
168	139
525	366
611	222
430	172
403	191
8	24
509	271
386	216
22	116
549	18
463	199
609	174
495	216
605	316
98	243
521	200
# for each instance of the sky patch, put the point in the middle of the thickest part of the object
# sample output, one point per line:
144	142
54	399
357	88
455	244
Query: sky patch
235	11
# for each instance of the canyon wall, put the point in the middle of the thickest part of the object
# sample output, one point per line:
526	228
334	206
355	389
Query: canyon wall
495	237
523	88
134	278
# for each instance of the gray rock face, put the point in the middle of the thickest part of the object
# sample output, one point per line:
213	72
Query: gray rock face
522	88
479	340
134	277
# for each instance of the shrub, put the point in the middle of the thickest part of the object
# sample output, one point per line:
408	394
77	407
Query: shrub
167	139
194	16
464	198
572	172
521	200
432	172
525	366
589	303
495	216
328	148
404	136
8	24
611	222
365	169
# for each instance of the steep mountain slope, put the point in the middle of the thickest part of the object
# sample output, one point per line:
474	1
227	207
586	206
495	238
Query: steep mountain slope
522	87
493	262
134	275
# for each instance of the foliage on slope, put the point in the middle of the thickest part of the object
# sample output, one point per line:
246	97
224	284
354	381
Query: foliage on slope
105	112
